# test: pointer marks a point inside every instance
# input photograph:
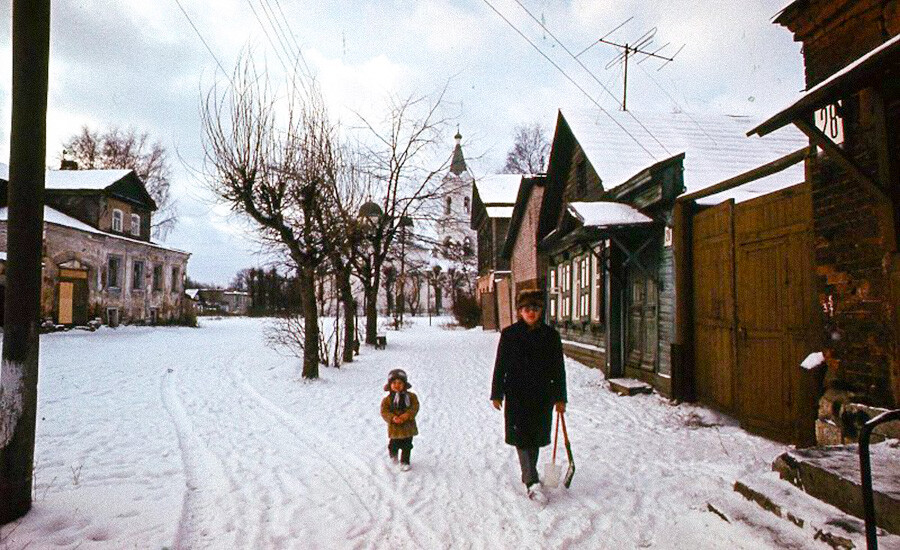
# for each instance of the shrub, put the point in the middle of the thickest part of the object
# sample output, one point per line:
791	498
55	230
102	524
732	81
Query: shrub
467	311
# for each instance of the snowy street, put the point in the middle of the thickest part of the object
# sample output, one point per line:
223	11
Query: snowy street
205	438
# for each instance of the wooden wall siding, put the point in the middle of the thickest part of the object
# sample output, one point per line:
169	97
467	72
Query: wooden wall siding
594	187
500	228
85	208
485	248
714	315
666	310
836	33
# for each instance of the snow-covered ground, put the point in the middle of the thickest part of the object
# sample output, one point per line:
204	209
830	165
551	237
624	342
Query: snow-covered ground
157	438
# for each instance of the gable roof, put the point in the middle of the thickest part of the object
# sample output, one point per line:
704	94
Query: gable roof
498	189
715	147
127	184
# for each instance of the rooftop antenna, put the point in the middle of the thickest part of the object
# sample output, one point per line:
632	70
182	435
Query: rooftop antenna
641	46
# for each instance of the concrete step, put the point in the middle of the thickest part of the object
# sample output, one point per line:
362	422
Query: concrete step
831	474
792	518
629	386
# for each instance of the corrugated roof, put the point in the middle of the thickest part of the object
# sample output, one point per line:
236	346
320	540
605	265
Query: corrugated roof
607	214
498	189
619	145
499	211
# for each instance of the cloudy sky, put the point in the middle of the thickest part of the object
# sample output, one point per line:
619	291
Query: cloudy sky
142	64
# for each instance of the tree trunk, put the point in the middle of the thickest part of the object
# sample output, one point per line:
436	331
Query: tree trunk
311	324
372	305
349	314
21	341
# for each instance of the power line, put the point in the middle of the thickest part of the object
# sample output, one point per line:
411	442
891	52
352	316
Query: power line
570	79
200	36
597	80
268	38
294	38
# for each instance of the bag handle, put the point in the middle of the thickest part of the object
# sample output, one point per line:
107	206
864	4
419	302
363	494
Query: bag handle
556	438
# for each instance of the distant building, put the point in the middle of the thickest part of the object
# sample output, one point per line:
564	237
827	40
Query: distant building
99	261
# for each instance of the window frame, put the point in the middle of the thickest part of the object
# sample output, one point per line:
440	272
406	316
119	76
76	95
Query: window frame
137	275
118	220
135	228
114	276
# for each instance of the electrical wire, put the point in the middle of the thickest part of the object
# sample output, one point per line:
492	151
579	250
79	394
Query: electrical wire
570	79
588	71
200	36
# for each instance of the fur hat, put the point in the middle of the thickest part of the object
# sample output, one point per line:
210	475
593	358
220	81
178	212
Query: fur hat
397	374
530	297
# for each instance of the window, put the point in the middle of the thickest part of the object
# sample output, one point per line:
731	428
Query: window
585	294
466	204
136	225
157	277
176	277
114	272
137	275
552	279
117	220
448	206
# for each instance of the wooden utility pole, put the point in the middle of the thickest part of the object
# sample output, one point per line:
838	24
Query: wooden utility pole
25	197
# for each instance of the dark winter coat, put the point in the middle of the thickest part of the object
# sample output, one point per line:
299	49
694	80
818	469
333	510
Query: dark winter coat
530	376
408	427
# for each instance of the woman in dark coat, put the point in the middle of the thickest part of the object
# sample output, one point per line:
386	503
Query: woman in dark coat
530	375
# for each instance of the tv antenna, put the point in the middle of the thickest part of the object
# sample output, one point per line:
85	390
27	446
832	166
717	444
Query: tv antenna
641	46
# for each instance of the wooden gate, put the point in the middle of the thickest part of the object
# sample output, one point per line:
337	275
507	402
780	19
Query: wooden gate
714	315
755	314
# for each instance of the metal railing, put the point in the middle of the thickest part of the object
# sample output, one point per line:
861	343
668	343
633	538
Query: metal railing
865	470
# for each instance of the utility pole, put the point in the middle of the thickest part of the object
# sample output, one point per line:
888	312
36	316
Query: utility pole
25	197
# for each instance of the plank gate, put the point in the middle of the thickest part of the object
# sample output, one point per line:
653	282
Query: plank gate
755	314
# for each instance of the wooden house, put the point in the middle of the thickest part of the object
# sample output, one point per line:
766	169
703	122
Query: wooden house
492	206
99	260
851	115
527	268
606	228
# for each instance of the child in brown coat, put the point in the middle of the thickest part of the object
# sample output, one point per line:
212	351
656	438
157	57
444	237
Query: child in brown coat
399	410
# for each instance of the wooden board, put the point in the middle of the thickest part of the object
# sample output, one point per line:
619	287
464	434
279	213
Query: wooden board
713	248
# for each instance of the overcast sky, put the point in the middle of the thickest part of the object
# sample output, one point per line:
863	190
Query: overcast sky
141	64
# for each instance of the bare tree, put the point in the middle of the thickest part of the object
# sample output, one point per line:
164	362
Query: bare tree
530	151
128	149
403	163
272	160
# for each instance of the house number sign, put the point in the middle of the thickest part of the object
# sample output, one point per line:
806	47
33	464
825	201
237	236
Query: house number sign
829	121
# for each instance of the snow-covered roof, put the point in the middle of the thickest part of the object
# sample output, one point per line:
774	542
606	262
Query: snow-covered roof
73	180
620	145
51	215
498	188
499	211
607	214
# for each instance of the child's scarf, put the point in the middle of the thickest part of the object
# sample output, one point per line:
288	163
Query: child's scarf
399	401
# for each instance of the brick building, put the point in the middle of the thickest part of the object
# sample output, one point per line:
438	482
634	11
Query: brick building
527	268
492	206
99	261
851	113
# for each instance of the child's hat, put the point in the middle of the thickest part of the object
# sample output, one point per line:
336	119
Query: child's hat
397	374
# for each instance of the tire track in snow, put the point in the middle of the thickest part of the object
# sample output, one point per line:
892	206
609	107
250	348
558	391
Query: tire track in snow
385	492
201	515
